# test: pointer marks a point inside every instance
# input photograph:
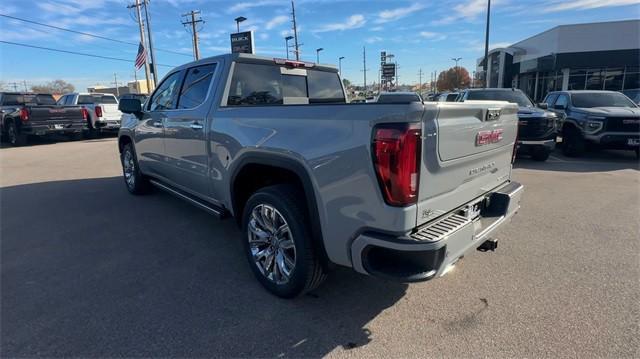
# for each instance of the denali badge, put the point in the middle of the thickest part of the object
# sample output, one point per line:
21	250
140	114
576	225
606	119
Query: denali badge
630	122
491	167
487	137
493	114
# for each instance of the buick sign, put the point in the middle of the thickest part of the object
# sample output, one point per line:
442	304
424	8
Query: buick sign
242	43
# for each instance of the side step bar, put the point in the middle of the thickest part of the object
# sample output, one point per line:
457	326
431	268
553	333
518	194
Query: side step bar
221	213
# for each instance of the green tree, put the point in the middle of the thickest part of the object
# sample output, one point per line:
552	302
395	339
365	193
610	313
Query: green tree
56	87
454	78
346	83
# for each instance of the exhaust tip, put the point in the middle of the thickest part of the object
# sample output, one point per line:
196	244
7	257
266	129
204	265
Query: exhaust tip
489	245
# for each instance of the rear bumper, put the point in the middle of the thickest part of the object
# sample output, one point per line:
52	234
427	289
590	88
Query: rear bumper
52	128
528	145
107	123
431	250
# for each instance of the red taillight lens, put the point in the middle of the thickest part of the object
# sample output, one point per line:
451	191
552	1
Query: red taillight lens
396	158
85	113
24	114
98	110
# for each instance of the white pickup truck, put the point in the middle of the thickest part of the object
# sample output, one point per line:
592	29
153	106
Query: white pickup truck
102	110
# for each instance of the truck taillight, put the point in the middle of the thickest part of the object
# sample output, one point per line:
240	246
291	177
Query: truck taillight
396	158
98	110
24	114
85	113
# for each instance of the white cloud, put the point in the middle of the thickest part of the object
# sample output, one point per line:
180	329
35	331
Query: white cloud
373	39
433	36
398	13
468	11
251	4
281	19
352	22
263	36
376	28
554	6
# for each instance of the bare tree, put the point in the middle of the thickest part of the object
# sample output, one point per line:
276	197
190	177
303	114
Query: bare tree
56	87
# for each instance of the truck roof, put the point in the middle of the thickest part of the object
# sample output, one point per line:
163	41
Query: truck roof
250	58
23	93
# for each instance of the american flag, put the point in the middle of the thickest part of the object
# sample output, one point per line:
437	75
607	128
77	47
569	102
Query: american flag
141	58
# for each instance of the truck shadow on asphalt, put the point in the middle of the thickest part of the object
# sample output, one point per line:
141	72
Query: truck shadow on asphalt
53	139
591	161
91	271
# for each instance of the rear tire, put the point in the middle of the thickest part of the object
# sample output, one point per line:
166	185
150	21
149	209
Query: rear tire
14	137
277	240
540	154
573	144
134	180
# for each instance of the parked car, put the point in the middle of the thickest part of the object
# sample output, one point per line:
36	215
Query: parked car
537	130
448	97
606	119
314	181
633	94
24	114
101	107
398	97
432	97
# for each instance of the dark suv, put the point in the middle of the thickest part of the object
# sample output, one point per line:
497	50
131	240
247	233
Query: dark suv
607	119
536	127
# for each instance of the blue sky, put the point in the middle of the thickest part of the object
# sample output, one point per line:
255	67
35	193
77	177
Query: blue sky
421	34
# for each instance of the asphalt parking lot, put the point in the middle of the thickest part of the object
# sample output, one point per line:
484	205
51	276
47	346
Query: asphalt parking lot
88	270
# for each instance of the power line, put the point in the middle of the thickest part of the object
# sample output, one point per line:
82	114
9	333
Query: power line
87	34
194	32
72	52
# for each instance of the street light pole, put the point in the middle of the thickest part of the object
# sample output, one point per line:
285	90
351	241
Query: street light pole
486	45
456	59
340	65
238	20
318	54
286	44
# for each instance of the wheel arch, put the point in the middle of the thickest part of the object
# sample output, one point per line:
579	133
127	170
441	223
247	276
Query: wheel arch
291	166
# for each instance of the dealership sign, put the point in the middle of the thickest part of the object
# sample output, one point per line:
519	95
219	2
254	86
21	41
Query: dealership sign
389	71
242	43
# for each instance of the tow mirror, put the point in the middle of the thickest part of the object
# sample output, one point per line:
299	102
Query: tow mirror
543	105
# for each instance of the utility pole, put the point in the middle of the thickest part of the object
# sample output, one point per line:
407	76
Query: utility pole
24	82
193	22
486	45
340	65
364	68
15	86
142	41
456	59
420	82
154	68
295	31
115	81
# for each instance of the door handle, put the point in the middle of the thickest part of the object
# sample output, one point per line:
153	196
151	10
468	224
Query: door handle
156	124
196	126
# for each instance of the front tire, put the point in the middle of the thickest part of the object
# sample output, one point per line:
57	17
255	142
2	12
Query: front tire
135	181
573	144
278	243
541	154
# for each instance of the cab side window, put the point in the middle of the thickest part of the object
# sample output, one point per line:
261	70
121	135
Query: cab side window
196	86
551	99
165	96
563	101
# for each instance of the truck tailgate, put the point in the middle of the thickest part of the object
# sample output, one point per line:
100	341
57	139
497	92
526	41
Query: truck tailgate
55	115
467	151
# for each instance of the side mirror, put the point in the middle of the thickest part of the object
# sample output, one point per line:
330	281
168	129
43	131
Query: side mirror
543	105
560	107
130	105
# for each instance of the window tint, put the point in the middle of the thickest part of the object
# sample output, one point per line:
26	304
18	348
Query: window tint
265	85
501	95
107	100
255	85
562	100
196	86
398	98
551	99
324	87
62	100
164	98
27	99
451	97
603	99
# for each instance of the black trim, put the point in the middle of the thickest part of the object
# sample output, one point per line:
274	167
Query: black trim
299	170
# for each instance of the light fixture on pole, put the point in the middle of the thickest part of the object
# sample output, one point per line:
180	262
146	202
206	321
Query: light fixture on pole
340	65
456	59
318	54
238	20
286	44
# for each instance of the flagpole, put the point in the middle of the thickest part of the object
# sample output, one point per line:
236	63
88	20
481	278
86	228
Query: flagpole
146	63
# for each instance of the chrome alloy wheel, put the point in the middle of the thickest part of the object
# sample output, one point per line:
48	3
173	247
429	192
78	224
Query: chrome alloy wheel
129	167
271	243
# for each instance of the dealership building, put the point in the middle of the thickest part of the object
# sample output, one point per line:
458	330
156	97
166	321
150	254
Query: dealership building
594	56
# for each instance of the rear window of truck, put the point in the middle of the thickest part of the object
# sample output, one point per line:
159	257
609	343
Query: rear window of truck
94	99
27	99
256	85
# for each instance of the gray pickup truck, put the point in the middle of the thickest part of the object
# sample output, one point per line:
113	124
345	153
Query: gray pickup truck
397	191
